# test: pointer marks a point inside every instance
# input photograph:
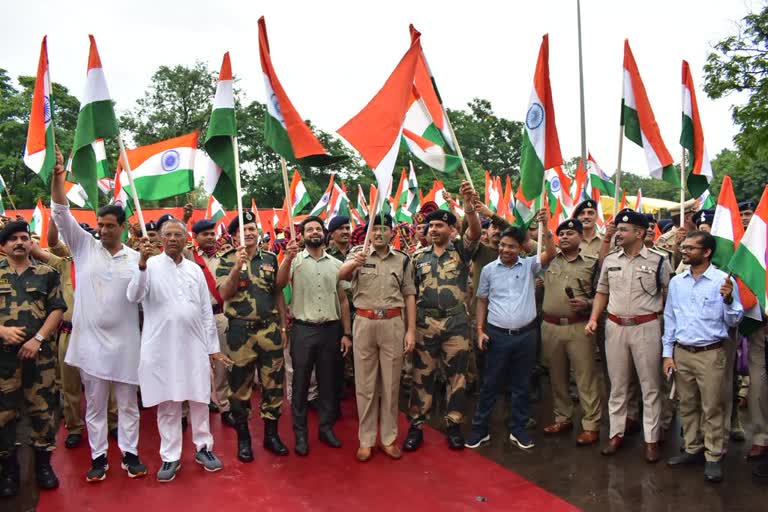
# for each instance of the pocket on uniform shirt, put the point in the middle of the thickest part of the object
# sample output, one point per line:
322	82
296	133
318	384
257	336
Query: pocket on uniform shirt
38	299
5	296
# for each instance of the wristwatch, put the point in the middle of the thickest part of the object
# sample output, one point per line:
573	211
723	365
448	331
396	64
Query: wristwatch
39	337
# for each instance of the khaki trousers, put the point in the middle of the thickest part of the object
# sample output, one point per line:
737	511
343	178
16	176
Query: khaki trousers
565	347
72	392
378	360
699	381
641	345
220	372
758	388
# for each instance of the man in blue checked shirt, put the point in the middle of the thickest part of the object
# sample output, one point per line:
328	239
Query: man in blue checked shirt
702	304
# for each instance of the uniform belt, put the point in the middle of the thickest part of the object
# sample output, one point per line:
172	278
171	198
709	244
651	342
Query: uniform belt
217	309
65	326
564	320
633	320
711	346
512	332
315	324
443	313
8	347
379	314
252	325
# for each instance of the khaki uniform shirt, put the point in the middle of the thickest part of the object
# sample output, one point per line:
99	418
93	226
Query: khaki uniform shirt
591	247
314	287
561	273
211	262
254	298
442	280
382	283
631	283
61	262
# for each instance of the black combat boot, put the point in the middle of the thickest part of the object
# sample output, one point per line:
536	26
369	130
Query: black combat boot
244	451
46	478
272	440
9	481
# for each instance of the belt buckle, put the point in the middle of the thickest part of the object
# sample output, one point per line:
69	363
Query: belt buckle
563	321
379	314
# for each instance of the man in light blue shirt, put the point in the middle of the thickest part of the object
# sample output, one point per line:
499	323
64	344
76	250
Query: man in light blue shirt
702	304
506	330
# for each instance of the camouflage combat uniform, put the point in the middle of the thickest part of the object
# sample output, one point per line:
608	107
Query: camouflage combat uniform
26	300
253	335
442	332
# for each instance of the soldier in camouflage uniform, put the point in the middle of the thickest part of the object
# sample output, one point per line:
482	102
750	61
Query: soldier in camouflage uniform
31	306
256	336
442	275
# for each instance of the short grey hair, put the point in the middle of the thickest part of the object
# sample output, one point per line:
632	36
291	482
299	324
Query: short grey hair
171	222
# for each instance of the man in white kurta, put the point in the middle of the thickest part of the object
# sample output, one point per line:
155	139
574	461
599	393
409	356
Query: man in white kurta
178	342
105	338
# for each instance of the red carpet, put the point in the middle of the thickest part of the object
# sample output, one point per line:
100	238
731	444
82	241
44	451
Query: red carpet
433	478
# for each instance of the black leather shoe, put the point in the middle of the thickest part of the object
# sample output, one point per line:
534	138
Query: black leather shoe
73	440
272	441
302	445
413	440
44	474
713	471
761	469
9	480
455	437
212	407
227	419
329	438
244	450
687	459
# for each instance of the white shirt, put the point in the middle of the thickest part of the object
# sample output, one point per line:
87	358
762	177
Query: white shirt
105	336
179	331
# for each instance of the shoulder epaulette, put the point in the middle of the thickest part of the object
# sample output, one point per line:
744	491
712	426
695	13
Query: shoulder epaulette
228	252
659	252
356	248
401	252
589	257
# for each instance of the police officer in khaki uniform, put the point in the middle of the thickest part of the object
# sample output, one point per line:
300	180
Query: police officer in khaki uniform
442	275
31	306
383	293
256	336
568	292
632	284
591	240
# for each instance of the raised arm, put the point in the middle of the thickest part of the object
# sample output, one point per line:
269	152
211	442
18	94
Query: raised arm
76	237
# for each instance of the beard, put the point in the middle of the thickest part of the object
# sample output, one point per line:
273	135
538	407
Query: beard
313	242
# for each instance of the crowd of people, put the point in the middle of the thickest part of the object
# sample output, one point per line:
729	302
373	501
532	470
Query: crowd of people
642	327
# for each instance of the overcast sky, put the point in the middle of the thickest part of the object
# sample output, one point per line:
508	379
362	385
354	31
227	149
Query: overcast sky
332	56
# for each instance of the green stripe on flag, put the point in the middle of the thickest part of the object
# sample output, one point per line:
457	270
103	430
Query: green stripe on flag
96	120
631	124
531	169
745	265
161	186
50	156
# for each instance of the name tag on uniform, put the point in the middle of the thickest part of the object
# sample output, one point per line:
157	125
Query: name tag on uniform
369	265
612	269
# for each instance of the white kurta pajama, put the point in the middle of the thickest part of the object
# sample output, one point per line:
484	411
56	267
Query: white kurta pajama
105	339
178	336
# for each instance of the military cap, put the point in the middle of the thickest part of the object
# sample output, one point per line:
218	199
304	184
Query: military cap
746	205
151	226
378	221
589	203
627	216
704	217
485	222
234	224
665	225
13	227
441	215
163	219
203	225
337	222
574	224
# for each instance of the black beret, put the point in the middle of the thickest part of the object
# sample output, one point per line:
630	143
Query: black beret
485	222
441	215
234	225
377	221
650	217
746	205
163	219
203	225
589	203
570	224
13	227
628	216
703	217
337	222
151	226
665	225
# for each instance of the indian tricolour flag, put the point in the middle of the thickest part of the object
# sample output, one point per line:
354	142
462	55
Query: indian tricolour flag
524	209
362	206
164	169
749	259
436	194
558	187
96	120
339	203
320	208
376	130
541	146
706	201
214	210
219	139
299	195
599	179
692	139
284	129
639	201
492	193
409	197
640	124
38	225
39	152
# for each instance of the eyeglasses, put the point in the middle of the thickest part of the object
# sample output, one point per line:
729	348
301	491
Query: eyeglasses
689	248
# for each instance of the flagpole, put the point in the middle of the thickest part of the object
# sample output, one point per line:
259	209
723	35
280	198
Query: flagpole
239	192
371	221
541	224
682	189
458	148
581	87
618	173
288	198
8	193
135	193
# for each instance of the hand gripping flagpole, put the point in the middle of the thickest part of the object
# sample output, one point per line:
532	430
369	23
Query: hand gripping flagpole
129	173
288	198
239	192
